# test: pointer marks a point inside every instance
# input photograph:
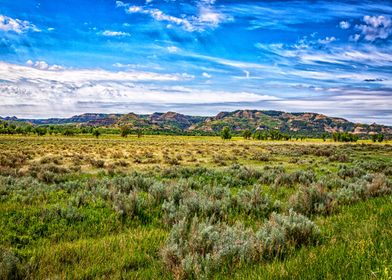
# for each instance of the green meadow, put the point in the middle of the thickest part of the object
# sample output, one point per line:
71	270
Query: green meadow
184	207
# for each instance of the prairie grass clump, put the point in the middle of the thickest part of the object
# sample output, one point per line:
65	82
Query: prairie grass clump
264	157
97	163
312	200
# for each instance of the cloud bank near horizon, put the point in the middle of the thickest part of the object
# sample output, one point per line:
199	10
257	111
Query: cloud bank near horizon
196	57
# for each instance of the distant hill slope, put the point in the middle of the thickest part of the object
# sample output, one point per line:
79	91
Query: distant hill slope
302	123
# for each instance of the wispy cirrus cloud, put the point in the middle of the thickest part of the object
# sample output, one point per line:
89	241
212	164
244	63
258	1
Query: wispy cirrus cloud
206	16
111	33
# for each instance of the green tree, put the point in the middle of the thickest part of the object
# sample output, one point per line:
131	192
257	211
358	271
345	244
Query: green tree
125	131
96	133
226	133
68	132
247	134
41	131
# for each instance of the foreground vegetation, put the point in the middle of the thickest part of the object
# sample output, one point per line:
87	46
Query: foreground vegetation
193	207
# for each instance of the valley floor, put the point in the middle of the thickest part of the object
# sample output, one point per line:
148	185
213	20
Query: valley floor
160	207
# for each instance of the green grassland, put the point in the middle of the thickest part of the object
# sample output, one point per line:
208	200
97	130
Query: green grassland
194	207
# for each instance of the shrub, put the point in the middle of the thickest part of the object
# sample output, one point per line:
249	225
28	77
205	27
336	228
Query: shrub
198	248
158	192
350	172
254	202
126	184
128	205
378	186
10	267
189	203
312	200
281	232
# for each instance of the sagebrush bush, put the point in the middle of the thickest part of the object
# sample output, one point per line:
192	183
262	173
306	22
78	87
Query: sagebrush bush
350	172
159	192
378	186
282	232
298	177
312	200
366	187
254	202
187	203
195	249
10	267
128	205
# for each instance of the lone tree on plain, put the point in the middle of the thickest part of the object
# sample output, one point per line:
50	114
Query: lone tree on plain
226	133
96	133
125	131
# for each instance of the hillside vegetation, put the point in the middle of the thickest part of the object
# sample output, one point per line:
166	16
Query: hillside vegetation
310	124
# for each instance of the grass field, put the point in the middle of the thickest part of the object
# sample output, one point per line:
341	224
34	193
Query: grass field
181	207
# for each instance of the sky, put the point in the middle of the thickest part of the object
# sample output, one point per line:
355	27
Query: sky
61	58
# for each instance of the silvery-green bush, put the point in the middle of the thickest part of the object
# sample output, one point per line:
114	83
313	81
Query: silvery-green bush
283	231
312	200
255	202
197	248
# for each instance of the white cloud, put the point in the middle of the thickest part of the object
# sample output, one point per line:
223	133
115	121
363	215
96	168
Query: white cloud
326	40
42	65
134	9
355	37
375	27
247	74
172	49
16	25
210	17
344	25
206	75
207	16
110	33
120	4
27	90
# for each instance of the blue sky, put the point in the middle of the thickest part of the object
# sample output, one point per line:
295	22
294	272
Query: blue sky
60	58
